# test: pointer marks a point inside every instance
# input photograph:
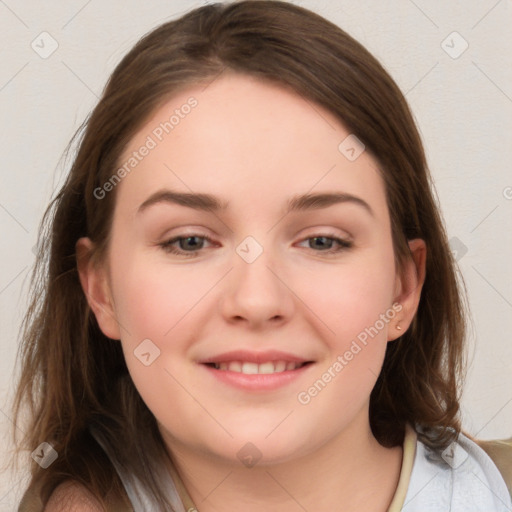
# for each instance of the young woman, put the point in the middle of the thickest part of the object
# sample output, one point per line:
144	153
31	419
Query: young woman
245	298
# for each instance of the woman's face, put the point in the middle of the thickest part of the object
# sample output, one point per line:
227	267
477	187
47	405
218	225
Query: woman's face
265	320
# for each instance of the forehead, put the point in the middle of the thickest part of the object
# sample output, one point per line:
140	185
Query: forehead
244	138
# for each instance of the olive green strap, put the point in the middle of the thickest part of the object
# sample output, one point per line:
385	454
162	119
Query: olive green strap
182	491
30	502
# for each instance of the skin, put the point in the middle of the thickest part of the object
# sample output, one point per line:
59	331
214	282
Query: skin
256	144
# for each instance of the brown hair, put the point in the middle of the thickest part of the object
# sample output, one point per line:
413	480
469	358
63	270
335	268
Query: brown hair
72	375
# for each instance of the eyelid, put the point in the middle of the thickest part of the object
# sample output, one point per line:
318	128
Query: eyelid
343	243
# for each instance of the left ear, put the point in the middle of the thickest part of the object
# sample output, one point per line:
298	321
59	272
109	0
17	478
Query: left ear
409	284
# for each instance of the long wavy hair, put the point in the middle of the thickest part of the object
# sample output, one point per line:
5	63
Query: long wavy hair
71	375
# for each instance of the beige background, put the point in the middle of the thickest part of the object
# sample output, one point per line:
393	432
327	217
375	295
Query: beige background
463	106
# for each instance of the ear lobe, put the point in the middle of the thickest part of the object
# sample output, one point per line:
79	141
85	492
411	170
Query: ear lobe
409	286
94	281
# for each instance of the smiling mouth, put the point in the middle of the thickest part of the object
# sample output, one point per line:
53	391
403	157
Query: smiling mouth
250	368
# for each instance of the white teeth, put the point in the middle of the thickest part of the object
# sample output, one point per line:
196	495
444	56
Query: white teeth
249	368
266	368
280	366
235	366
254	368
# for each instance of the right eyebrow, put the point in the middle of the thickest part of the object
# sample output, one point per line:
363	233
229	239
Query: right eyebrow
197	201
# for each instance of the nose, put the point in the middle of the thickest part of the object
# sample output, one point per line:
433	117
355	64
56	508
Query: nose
257	292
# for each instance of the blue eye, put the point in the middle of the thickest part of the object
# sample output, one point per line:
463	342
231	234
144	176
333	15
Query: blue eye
188	245
189	239
331	240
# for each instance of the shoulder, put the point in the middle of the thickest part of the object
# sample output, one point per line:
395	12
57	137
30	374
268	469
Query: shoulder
70	496
460	477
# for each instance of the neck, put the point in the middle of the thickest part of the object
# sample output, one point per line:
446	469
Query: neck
350	472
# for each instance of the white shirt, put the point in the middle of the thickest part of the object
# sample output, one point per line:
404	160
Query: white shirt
461	478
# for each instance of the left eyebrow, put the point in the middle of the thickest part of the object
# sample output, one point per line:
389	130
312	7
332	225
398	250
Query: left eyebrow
208	202
324	200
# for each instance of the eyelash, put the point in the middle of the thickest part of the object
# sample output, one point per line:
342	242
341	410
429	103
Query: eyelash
167	245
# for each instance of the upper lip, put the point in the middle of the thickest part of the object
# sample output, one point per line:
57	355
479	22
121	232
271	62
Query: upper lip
254	357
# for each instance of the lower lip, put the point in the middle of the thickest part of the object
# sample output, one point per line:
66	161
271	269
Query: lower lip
258	381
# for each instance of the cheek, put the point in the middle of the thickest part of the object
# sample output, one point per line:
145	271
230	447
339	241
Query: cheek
156	300
352	296
156	303
152	299
357	307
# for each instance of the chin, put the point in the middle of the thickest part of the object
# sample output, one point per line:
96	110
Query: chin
268	446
